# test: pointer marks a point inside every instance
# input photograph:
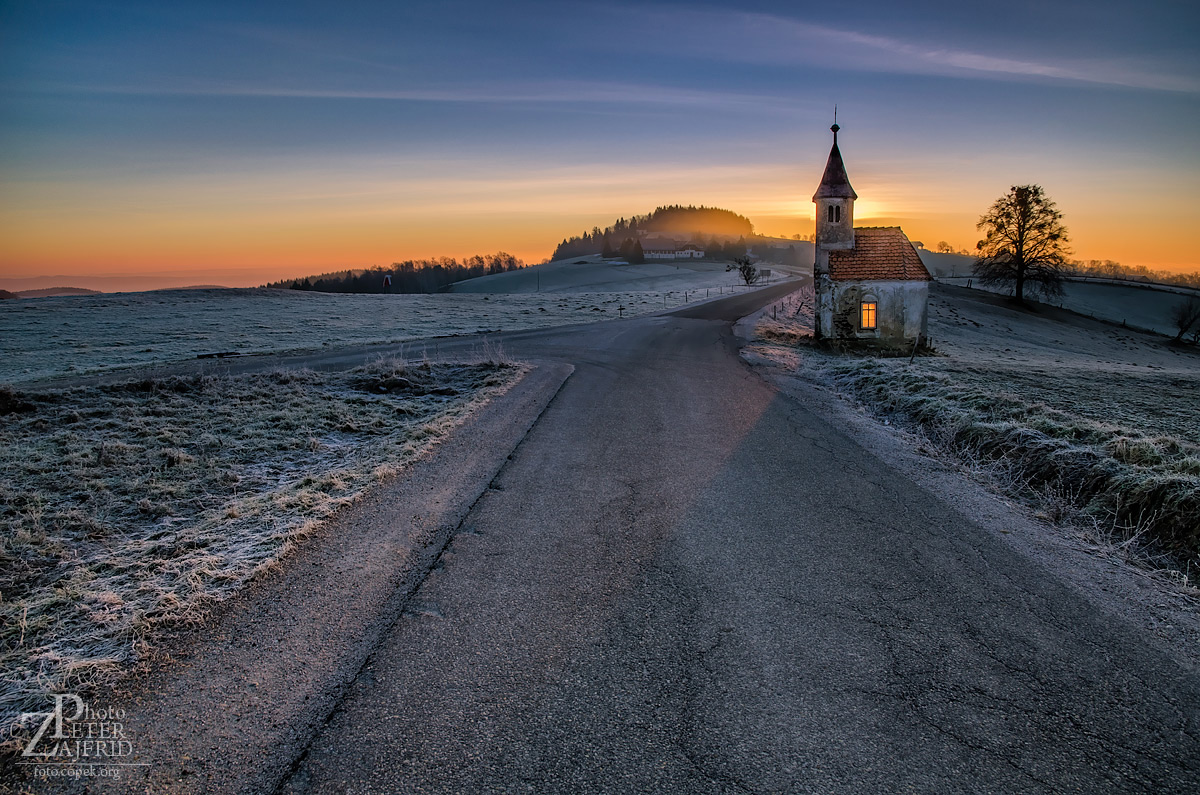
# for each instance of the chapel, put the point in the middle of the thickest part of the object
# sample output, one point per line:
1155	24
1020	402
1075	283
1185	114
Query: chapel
871	286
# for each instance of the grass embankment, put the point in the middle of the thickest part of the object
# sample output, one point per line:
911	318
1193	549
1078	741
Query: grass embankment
129	508
1145	485
1093	427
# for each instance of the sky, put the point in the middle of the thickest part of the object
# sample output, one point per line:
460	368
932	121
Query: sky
236	143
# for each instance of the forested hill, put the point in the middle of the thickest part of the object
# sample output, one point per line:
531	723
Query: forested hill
699	224
410	276
680	220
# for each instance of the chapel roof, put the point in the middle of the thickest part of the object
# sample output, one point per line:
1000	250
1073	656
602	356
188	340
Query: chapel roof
835	184
880	253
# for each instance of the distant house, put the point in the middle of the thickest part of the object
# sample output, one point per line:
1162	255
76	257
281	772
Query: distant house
871	285
659	248
668	248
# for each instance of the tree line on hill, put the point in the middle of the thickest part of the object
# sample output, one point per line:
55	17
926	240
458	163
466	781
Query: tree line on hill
411	276
710	228
631	250
1107	269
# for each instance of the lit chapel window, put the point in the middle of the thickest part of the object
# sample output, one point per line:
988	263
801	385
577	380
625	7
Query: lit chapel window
868	314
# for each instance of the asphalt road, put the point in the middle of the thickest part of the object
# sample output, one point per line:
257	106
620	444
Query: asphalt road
683	581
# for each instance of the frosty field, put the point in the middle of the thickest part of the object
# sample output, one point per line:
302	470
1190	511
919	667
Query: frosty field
49	337
130	507
1137	307
595	274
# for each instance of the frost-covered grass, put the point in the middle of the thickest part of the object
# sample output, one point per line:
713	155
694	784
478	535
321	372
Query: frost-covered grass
1087	422
129	508
790	320
1120	473
75	335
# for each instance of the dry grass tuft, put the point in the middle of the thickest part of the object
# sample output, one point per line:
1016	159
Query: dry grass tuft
784	333
791	321
129	508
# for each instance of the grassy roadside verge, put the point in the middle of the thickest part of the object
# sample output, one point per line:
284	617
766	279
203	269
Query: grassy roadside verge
1114	450
130	508
1143	485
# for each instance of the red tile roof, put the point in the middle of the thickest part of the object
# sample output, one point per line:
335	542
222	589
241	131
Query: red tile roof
880	253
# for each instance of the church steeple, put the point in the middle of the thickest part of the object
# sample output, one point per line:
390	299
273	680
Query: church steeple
835	184
835	205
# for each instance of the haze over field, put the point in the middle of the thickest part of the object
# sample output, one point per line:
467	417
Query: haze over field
170	145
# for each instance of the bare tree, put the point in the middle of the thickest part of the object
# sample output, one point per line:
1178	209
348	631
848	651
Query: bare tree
1184	316
750	274
1024	244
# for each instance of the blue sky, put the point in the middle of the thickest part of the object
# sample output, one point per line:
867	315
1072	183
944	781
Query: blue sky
267	136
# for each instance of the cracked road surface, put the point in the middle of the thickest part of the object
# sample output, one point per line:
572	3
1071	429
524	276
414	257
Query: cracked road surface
684	581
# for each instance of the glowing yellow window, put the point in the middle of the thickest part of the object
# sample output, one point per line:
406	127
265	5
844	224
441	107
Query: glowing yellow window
868	314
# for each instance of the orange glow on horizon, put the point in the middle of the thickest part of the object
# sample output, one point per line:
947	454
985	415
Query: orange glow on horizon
245	230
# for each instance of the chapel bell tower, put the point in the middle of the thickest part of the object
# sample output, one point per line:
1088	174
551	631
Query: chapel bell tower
835	208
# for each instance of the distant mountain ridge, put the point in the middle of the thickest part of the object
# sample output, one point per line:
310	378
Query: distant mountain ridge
46	292
50	292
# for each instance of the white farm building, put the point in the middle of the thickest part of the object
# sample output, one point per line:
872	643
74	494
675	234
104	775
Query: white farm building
668	248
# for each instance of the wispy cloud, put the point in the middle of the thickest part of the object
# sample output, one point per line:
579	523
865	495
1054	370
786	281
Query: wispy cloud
533	92
767	38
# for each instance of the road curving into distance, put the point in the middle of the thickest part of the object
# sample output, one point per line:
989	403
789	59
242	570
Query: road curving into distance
663	575
683	581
